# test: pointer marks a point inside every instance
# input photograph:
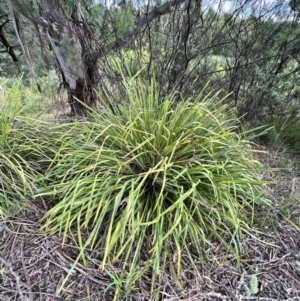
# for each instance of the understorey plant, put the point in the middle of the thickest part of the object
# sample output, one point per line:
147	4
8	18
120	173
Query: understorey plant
16	175
151	179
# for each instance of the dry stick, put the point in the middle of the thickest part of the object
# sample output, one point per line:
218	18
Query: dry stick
98	281
5	289
17	277
36	189
47	253
25	270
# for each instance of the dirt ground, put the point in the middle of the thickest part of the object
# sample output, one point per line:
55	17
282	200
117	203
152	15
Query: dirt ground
33	265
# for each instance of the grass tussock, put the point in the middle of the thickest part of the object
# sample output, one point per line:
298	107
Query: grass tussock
153	175
16	174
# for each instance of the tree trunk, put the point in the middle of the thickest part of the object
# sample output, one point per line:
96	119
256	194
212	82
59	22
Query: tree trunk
69	38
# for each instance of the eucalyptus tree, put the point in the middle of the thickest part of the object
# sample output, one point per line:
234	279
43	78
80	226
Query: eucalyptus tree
80	38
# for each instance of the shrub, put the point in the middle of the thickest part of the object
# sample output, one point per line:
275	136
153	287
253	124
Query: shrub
284	133
155	175
16	174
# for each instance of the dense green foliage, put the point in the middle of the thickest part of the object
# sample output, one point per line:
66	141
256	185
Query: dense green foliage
16	173
149	179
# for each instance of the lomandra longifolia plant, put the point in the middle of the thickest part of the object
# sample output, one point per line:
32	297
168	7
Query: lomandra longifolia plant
154	176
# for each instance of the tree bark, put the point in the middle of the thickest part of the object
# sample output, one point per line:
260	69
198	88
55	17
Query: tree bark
71	44
22	40
8	48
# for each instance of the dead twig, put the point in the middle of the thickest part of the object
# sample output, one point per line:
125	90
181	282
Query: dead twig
16	276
